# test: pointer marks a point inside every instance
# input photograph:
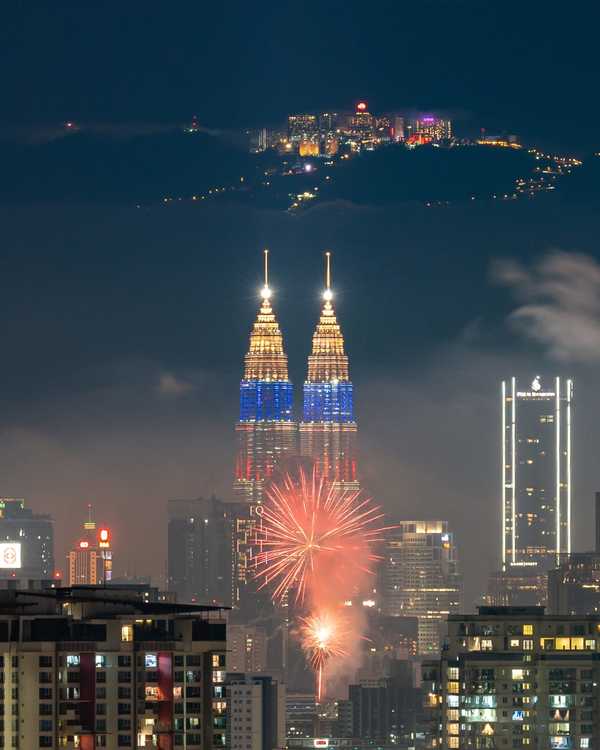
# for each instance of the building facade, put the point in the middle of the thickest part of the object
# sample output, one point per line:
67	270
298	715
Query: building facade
421	578
90	561
26	542
536	472
266	432
200	550
256	712
536	486
247	647
83	668
514	677
328	429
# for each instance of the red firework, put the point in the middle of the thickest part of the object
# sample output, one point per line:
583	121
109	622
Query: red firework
313	534
323	636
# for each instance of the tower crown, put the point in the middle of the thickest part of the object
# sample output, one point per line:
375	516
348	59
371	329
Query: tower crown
266	359
328	361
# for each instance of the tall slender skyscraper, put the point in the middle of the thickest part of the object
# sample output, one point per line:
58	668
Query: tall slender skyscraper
536	473
328	430
266	432
536	437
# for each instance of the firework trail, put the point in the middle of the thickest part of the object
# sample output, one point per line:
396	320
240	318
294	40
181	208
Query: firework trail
311	531
323	636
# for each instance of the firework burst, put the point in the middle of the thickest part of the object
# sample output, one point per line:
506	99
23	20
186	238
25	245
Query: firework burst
323	636
312	531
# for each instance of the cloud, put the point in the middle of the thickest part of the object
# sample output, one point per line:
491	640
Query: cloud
560	303
171	386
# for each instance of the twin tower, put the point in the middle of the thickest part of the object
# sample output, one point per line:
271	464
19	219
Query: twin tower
266	431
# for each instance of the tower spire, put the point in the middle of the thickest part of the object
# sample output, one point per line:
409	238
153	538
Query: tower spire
328	293
266	292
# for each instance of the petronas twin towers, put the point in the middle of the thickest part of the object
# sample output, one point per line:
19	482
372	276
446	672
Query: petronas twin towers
266	430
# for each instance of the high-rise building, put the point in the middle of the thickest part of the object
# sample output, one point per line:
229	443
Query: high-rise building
199	556
303	128
90	561
536	472
85	669
328	428
574	586
420	578
433	128
26	542
362	124
247	648
256	712
536	430
398	128
385	711
266	432
515	677
300	715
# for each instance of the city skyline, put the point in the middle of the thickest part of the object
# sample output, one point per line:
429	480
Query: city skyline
124	327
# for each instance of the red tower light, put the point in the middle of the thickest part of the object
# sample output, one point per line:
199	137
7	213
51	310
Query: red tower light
361	107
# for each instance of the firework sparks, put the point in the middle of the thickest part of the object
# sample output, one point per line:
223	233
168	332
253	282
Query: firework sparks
311	529
322	636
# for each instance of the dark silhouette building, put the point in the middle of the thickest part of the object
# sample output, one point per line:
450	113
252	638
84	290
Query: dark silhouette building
200	550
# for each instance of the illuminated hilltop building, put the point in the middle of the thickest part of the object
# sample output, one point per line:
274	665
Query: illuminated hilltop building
265	431
328	430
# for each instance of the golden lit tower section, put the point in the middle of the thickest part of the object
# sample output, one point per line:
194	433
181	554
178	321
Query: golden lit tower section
328	430
265	429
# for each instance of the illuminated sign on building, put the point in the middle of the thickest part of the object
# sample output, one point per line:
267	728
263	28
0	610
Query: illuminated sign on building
10	555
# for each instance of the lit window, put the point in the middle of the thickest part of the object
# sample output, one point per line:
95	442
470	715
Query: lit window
151	661
127	633
518	674
452	728
72	660
453	742
452	714
177	691
151	693
486	644
584	742
100	661
527	644
577	644
515	642
453	688
563	644
452	701
590	644
452	673
527	629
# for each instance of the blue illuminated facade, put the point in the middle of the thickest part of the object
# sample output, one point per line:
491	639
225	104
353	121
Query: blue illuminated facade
266	401
328	402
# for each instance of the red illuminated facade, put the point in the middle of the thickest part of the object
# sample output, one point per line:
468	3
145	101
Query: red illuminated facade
90	561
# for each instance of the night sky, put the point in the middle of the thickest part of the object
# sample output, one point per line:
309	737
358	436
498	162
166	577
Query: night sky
124	329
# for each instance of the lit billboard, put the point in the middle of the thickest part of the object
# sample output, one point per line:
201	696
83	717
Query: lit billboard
10	555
